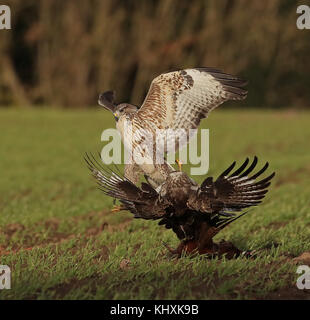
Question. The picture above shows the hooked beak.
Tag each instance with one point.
(115, 116)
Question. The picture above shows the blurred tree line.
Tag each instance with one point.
(64, 53)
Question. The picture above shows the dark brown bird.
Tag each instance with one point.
(196, 213)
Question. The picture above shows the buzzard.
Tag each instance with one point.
(176, 100)
(196, 213)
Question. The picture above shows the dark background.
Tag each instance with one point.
(64, 53)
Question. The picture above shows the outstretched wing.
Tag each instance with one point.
(107, 100)
(143, 202)
(233, 192)
(180, 99)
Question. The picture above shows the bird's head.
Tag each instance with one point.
(124, 108)
(107, 100)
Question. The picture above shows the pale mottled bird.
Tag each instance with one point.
(196, 213)
(175, 100)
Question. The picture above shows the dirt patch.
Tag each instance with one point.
(48, 232)
(120, 226)
(303, 258)
(10, 229)
(288, 293)
(287, 179)
(209, 287)
(136, 248)
(275, 225)
(103, 254)
(61, 290)
(293, 176)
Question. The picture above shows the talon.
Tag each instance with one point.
(117, 208)
(249, 254)
(179, 163)
(171, 250)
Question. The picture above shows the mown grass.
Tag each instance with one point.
(61, 242)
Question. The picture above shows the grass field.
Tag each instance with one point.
(61, 242)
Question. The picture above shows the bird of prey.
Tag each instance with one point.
(176, 100)
(196, 213)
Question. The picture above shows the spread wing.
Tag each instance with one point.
(180, 99)
(143, 202)
(233, 192)
(106, 100)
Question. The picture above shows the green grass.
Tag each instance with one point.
(61, 242)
